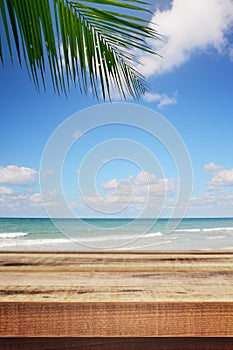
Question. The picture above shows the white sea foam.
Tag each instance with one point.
(33, 242)
(72, 239)
(209, 229)
(217, 229)
(145, 240)
(189, 230)
(117, 237)
(12, 234)
(153, 234)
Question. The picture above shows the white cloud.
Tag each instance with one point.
(6, 191)
(162, 99)
(165, 101)
(144, 191)
(146, 183)
(145, 178)
(212, 168)
(24, 201)
(112, 184)
(217, 199)
(35, 198)
(220, 177)
(143, 183)
(188, 27)
(15, 175)
(213, 201)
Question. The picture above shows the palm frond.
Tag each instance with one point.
(87, 43)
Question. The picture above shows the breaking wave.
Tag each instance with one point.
(12, 234)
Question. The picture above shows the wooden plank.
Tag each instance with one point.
(116, 319)
(116, 343)
(116, 294)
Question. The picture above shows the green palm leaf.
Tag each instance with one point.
(87, 43)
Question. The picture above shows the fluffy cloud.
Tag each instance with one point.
(188, 27)
(6, 191)
(149, 183)
(220, 177)
(143, 183)
(144, 192)
(212, 168)
(15, 175)
(112, 184)
(162, 99)
(217, 199)
(24, 201)
(209, 200)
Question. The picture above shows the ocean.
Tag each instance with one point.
(115, 234)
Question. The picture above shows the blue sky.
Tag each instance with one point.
(191, 87)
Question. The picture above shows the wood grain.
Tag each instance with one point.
(116, 343)
(116, 294)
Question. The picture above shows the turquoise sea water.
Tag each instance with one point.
(116, 234)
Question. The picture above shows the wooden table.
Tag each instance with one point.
(111, 300)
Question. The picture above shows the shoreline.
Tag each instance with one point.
(108, 234)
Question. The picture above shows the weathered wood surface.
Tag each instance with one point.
(116, 294)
